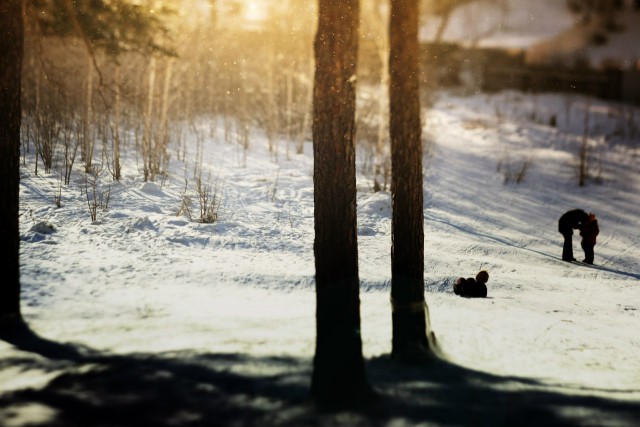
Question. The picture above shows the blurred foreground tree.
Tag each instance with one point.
(409, 310)
(339, 377)
(11, 46)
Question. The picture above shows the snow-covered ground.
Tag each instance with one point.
(144, 317)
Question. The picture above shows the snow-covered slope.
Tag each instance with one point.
(511, 23)
(546, 29)
(214, 323)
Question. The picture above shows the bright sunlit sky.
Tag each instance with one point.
(249, 11)
(255, 10)
(519, 23)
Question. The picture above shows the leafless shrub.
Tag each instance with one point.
(24, 138)
(513, 172)
(185, 206)
(242, 138)
(109, 135)
(44, 130)
(271, 193)
(522, 171)
(208, 200)
(146, 311)
(57, 197)
(97, 197)
(159, 133)
(185, 202)
(602, 146)
(372, 137)
(86, 139)
(626, 125)
(70, 144)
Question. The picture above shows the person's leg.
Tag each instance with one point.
(588, 252)
(567, 247)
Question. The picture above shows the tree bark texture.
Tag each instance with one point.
(11, 46)
(339, 373)
(407, 247)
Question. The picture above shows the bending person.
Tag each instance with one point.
(568, 222)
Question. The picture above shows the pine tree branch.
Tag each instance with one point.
(74, 19)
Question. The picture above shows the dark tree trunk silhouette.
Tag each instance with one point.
(410, 318)
(338, 368)
(11, 46)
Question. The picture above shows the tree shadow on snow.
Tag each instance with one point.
(614, 271)
(196, 389)
(165, 389)
(446, 394)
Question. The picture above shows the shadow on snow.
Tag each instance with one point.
(195, 389)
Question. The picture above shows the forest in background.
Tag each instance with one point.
(82, 107)
(241, 65)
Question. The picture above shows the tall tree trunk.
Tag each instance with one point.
(163, 140)
(12, 48)
(339, 376)
(410, 318)
(380, 173)
(87, 138)
(146, 138)
(289, 109)
(307, 109)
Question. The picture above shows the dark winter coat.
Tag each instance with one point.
(470, 288)
(590, 230)
(459, 286)
(572, 220)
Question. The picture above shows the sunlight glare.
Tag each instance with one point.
(255, 10)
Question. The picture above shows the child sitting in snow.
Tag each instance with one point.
(589, 230)
(472, 288)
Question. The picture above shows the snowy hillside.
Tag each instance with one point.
(511, 23)
(148, 318)
(546, 29)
